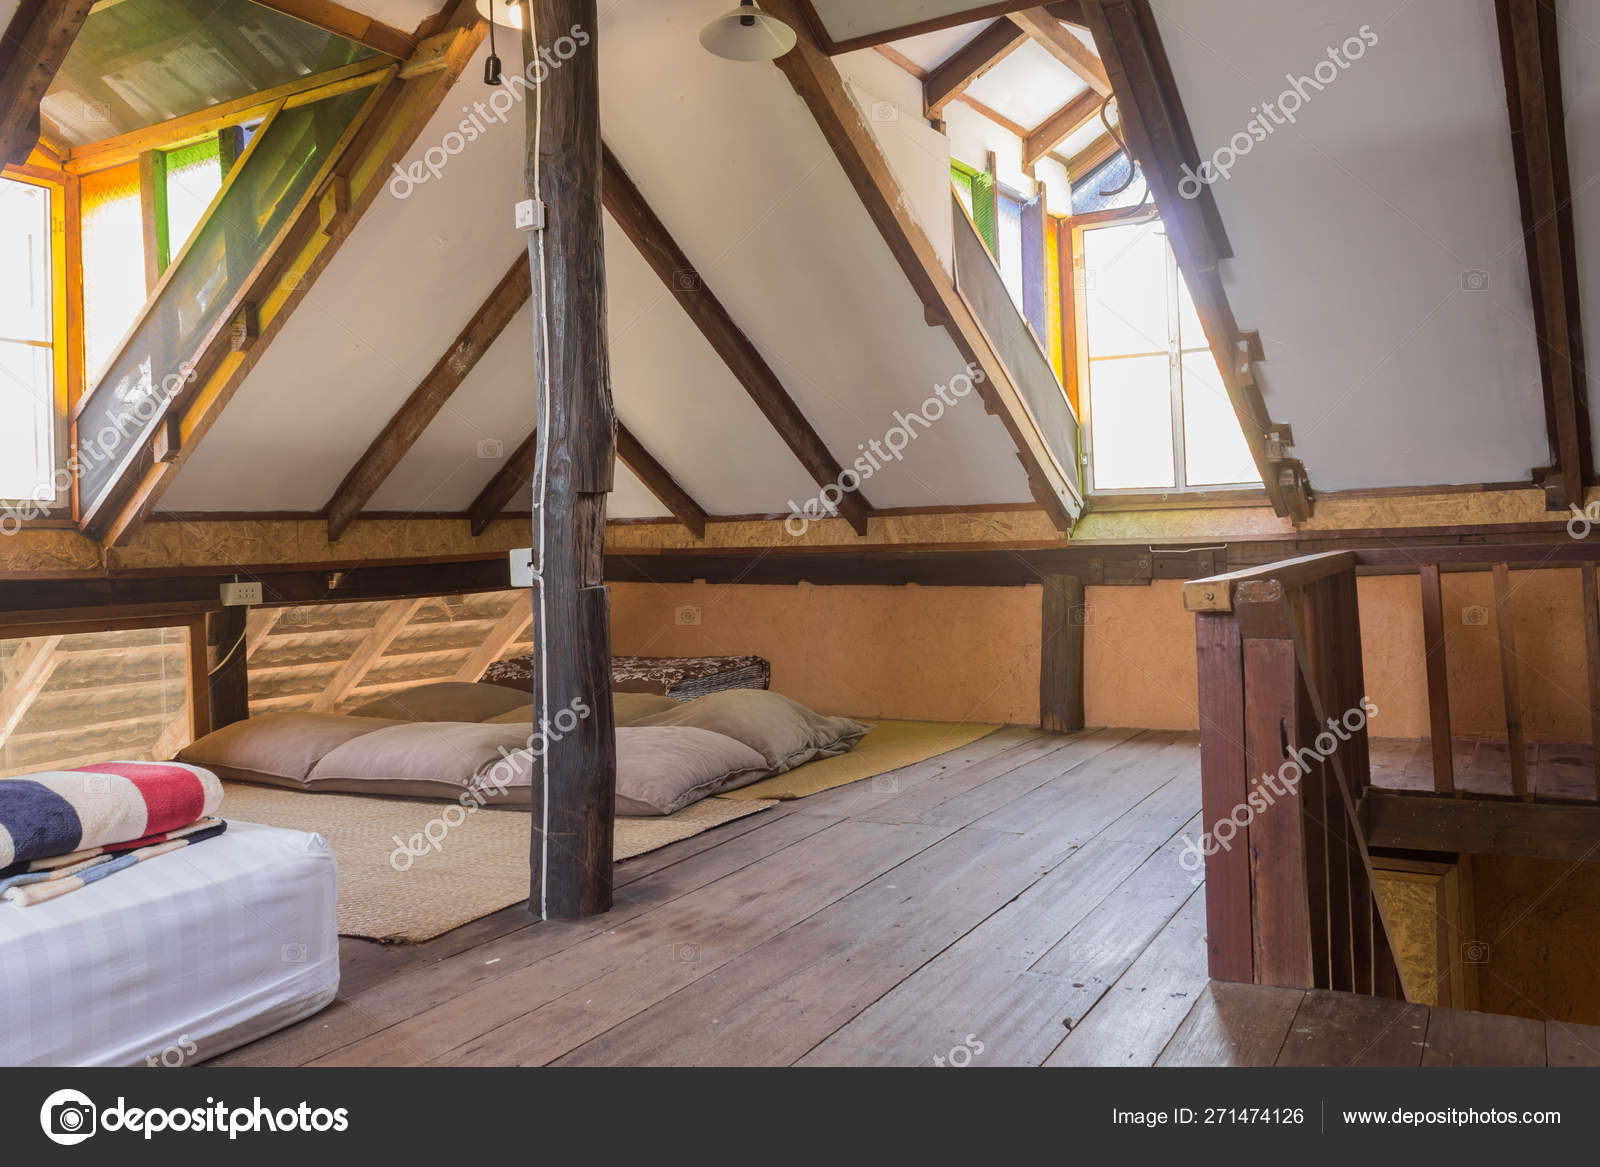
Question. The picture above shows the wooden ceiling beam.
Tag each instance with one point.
(1093, 156)
(818, 83)
(35, 44)
(650, 235)
(659, 482)
(513, 476)
(1047, 32)
(1065, 121)
(1532, 65)
(352, 25)
(390, 447)
(948, 80)
(1150, 115)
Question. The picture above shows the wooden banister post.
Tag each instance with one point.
(1438, 679)
(575, 762)
(1224, 781)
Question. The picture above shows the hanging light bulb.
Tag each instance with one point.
(502, 12)
(747, 34)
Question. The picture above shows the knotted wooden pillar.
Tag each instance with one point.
(573, 799)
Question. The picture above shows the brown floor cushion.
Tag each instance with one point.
(430, 759)
(627, 708)
(782, 731)
(278, 749)
(444, 701)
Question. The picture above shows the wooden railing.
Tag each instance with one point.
(1284, 765)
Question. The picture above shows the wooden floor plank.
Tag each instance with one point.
(1457, 1037)
(1569, 1044)
(541, 1011)
(1233, 1025)
(1342, 1029)
(1133, 1022)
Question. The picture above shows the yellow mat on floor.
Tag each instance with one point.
(480, 864)
(890, 745)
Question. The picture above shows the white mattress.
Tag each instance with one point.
(179, 959)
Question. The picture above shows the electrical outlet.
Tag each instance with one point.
(522, 567)
(236, 595)
(530, 215)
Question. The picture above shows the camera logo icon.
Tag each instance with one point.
(68, 1117)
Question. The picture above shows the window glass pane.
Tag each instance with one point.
(962, 181)
(1214, 448)
(1125, 289)
(98, 695)
(25, 260)
(1190, 334)
(27, 422)
(140, 62)
(1008, 241)
(1130, 417)
(194, 175)
(113, 262)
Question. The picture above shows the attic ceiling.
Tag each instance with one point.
(1376, 247)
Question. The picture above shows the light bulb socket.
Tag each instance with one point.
(491, 70)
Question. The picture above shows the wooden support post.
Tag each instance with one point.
(1505, 634)
(1061, 655)
(574, 780)
(199, 690)
(227, 672)
(1438, 679)
(1591, 630)
(1224, 784)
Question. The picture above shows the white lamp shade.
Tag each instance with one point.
(505, 13)
(764, 38)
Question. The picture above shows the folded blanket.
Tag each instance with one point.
(47, 879)
(60, 812)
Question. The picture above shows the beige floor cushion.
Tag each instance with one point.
(783, 732)
(430, 759)
(279, 749)
(444, 701)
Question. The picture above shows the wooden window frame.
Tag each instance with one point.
(65, 334)
(1075, 334)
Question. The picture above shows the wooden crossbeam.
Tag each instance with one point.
(30, 671)
(1065, 121)
(1532, 65)
(659, 482)
(390, 447)
(1047, 32)
(1093, 156)
(499, 638)
(950, 78)
(391, 622)
(650, 235)
(513, 476)
(36, 42)
(354, 26)
(817, 81)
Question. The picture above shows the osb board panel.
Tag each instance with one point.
(1411, 905)
(940, 654)
(960, 527)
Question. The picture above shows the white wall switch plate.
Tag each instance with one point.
(240, 594)
(522, 567)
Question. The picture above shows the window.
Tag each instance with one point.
(1159, 416)
(113, 262)
(30, 405)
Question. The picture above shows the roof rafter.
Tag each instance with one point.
(1047, 32)
(1065, 121)
(950, 78)
(514, 475)
(391, 445)
(660, 483)
(650, 235)
(818, 83)
(1532, 63)
(35, 44)
(1150, 115)
(1093, 156)
(345, 22)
